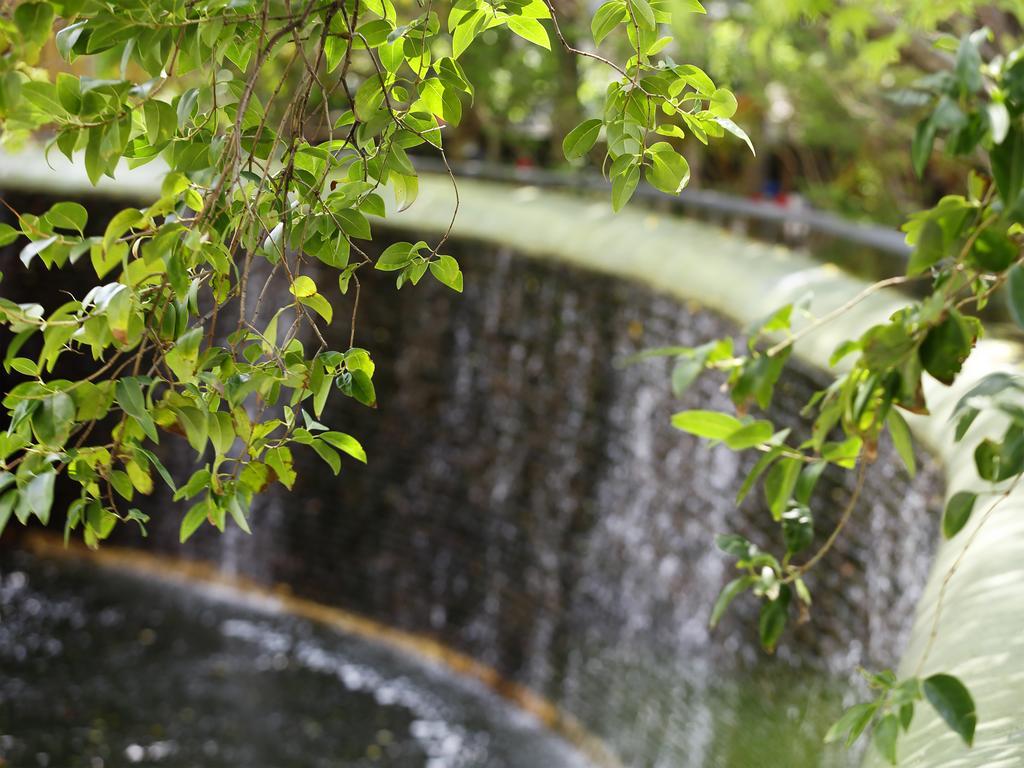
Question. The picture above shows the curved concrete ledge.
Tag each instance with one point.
(980, 636)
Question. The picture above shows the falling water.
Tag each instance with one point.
(528, 503)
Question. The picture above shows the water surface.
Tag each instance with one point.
(102, 669)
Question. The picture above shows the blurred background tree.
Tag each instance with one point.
(823, 89)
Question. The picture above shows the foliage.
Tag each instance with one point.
(966, 248)
(823, 91)
(281, 125)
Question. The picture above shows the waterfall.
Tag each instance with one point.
(528, 503)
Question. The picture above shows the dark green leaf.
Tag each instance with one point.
(1008, 165)
(946, 347)
(921, 149)
(730, 592)
(773, 619)
(1015, 293)
(954, 704)
(779, 485)
(958, 512)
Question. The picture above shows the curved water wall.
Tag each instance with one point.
(527, 504)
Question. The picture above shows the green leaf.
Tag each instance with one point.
(320, 305)
(329, 455)
(280, 460)
(193, 519)
(530, 30)
(886, 733)
(946, 347)
(160, 468)
(749, 435)
(713, 425)
(199, 481)
(607, 17)
(797, 528)
(958, 512)
(993, 251)
(623, 186)
(128, 394)
(221, 431)
(902, 440)
(853, 722)
(161, 122)
(446, 270)
(723, 103)
(684, 373)
(7, 502)
(643, 13)
(1015, 293)
(33, 21)
(122, 484)
(184, 356)
(345, 443)
(772, 623)
(1008, 166)
(34, 248)
(53, 419)
(67, 215)
(37, 496)
(730, 592)
(43, 96)
(581, 139)
(921, 149)
(968, 65)
(759, 469)
(396, 256)
(779, 485)
(238, 513)
(8, 234)
(735, 545)
(119, 225)
(953, 702)
(361, 388)
(929, 249)
(195, 424)
(68, 37)
(808, 479)
(668, 171)
(302, 287)
(736, 131)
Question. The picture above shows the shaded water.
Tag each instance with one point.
(529, 504)
(100, 668)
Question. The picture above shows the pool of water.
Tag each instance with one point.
(99, 669)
